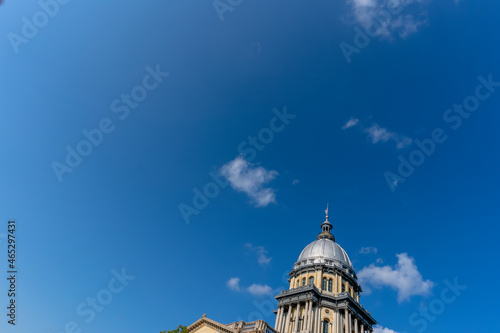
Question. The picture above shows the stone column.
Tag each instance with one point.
(349, 327)
(282, 328)
(321, 280)
(304, 317)
(355, 325)
(296, 324)
(362, 328)
(317, 320)
(341, 322)
(288, 317)
(292, 317)
(277, 322)
(347, 321)
(336, 318)
(280, 318)
(339, 283)
(307, 315)
(310, 317)
(282, 321)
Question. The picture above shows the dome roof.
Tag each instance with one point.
(323, 251)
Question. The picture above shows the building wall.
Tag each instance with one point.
(318, 276)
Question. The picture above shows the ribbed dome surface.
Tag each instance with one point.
(325, 249)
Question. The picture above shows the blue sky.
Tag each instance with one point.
(398, 134)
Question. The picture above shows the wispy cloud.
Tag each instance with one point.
(388, 18)
(377, 133)
(250, 179)
(261, 252)
(405, 278)
(380, 134)
(255, 289)
(352, 122)
(295, 182)
(233, 284)
(381, 329)
(368, 250)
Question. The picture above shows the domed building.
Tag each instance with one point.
(324, 292)
(323, 296)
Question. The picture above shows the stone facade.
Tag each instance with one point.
(206, 325)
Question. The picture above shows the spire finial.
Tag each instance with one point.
(326, 228)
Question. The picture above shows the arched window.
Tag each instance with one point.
(303, 281)
(324, 284)
(325, 326)
(311, 280)
(330, 285)
(296, 283)
(343, 286)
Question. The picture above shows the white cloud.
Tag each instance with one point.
(261, 252)
(247, 178)
(255, 289)
(260, 290)
(380, 261)
(377, 133)
(295, 182)
(380, 329)
(233, 284)
(380, 134)
(352, 122)
(405, 278)
(386, 18)
(368, 250)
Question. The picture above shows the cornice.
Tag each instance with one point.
(209, 322)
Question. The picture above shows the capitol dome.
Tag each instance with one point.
(323, 250)
(324, 291)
